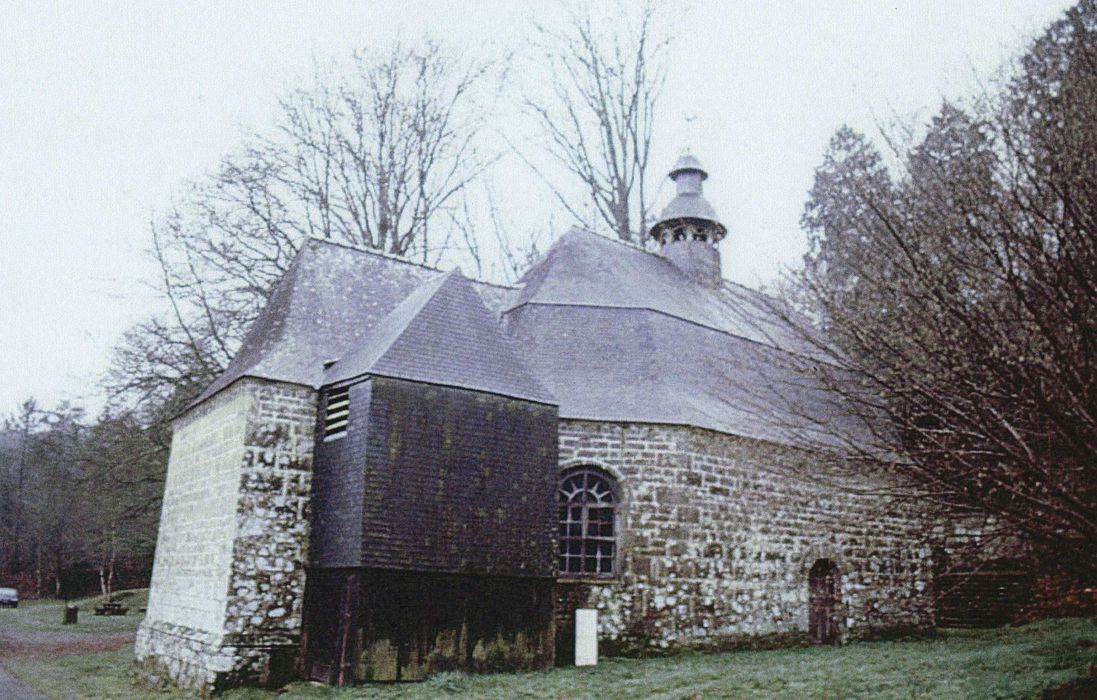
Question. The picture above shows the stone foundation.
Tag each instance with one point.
(228, 578)
(717, 535)
(204, 662)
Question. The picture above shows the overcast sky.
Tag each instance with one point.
(107, 108)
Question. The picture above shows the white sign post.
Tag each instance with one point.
(586, 637)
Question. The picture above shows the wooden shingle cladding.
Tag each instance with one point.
(337, 488)
(438, 479)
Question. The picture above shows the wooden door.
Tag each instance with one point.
(823, 602)
(331, 627)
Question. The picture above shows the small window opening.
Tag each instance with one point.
(699, 236)
(679, 234)
(337, 414)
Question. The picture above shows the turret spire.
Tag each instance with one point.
(688, 228)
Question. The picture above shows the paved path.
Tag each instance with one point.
(11, 688)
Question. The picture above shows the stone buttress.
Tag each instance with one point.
(228, 578)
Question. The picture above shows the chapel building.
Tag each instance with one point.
(405, 471)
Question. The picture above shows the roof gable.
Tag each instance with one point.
(325, 305)
(443, 333)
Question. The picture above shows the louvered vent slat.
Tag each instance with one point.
(337, 414)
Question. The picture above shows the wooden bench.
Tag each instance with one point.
(111, 608)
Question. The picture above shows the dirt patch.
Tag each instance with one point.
(1078, 689)
(44, 644)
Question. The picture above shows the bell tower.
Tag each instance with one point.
(688, 230)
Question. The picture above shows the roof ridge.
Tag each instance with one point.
(655, 254)
(640, 248)
(613, 239)
(576, 229)
(725, 282)
(386, 352)
(661, 312)
(393, 325)
(267, 319)
(371, 251)
(399, 258)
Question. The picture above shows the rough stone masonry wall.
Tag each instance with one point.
(718, 534)
(228, 578)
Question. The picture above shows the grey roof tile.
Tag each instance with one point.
(330, 298)
(585, 269)
(442, 333)
(606, 330)
(618, 333)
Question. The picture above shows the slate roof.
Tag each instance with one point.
(442, 333)
(606, 330)
(330, 298)
(585, 269)
(689, 205)
(620, 334)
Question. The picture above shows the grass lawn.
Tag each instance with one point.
(91, 659)
(1009, 663)
(1006, 663)
(46, 616)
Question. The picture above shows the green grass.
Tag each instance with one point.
(47, 615)
(1006, 663)
(101, 675)
(36, 628)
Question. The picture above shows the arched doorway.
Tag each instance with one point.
(823, 602)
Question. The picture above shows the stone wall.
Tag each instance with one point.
(718, 533)
(228, 577)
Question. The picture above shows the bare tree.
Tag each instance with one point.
(54, 507)
(123, 474)
(79, 495)
(598, 119)
(498, 247)
(959, 295)
(373, 153)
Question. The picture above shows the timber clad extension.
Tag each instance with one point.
(439, 514)
(434, 515)
(443, 479)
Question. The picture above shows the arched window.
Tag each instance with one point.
(588, 534)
